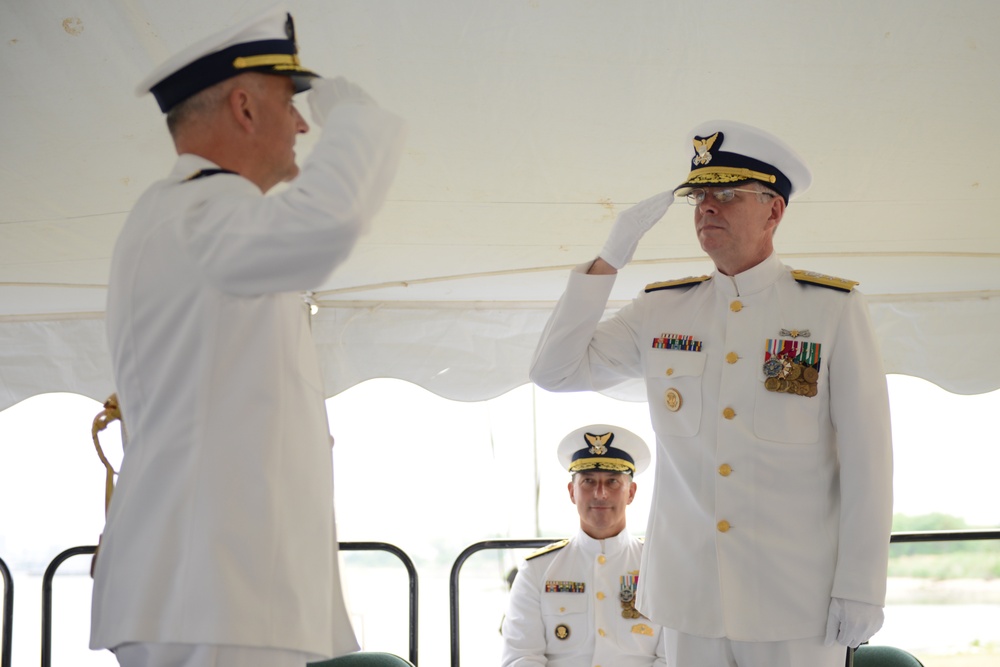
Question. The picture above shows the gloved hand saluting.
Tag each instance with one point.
(326, 94)
(851, 623)
(629, 227)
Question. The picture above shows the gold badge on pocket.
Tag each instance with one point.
(642, 629)
(672, 399)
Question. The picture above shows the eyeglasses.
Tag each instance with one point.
(722, 196)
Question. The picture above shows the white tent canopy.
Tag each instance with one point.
(532, 123)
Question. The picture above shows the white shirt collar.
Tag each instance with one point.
(752, 280)
(610, 546)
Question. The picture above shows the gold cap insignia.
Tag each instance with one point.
(598, 443)
(702, 148)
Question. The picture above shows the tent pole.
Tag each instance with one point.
(534, 453)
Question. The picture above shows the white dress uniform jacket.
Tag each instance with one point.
(221, 528)
(765, 504)
(591, 620)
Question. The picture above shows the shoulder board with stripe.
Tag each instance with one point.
(813, 278)
(549, 548)
(680, 282)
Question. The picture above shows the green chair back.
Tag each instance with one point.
(365, 659)
(884, 656)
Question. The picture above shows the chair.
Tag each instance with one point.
(867, 655)
(364, 659)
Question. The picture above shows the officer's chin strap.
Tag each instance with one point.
(104, 418)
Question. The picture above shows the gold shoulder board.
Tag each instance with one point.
(548, 548)
(813, 278)
(680, 282)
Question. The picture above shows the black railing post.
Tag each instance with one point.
(412, 574)
(7, 634)
(50, 573)
(457, 566)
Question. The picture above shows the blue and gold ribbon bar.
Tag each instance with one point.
(669, 341)
(564, 586)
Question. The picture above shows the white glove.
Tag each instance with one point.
(629, 227)
(325, 94)
(851, 623)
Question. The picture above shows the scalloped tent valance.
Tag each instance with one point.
(531, 125)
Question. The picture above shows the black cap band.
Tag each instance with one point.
(735, 169)
(270, 56)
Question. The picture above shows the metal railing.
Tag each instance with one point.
(927, 536)
(47, 580)
(50, 573)
(7, 633)
(946, 536)
(411, 572)
(457, 566)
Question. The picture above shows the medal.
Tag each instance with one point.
(791, 366)
(772, 367)
(626, 595)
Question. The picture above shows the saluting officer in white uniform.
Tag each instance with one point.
(572, 603)
(220, 548)
(768, 539)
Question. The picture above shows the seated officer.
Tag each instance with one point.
(573, 602)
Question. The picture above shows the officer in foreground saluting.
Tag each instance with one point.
(573, 602)
(220, 547)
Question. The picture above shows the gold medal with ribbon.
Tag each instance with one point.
(626, 595)
(792, 366)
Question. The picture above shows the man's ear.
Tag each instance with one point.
(631, 493)
(572, 492)
(241, 106)
(777, 211)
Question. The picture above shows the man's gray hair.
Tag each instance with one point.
(206, 101)
(764, 192)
